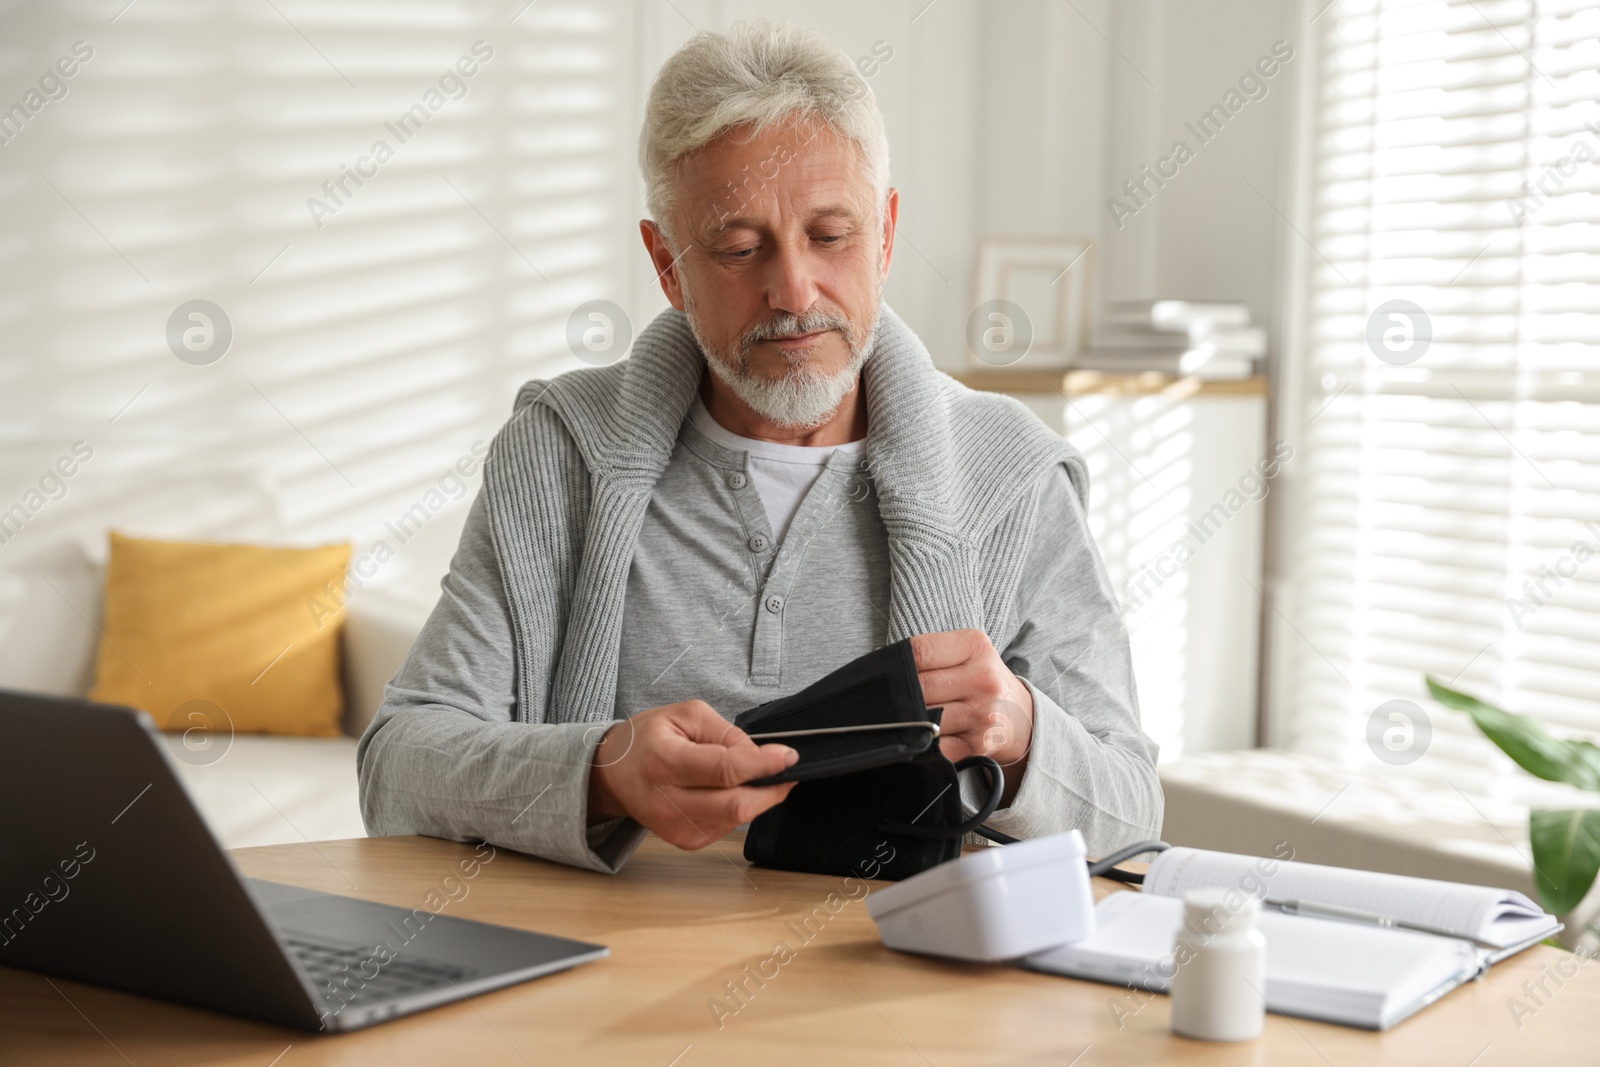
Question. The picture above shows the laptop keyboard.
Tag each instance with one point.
(340, 974)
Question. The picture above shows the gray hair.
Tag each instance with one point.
(758, 74)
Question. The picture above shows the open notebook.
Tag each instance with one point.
(1343, 972)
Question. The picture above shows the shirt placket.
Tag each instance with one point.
(821, 503)
(757, 527)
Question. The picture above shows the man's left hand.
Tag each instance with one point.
(988, 711)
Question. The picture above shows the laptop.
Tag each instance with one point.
(109, 875)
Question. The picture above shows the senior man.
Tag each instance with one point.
(776, 481)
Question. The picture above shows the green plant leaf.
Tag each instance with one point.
(1526, 741)
(1566, 855)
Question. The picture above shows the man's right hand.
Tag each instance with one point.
(676, 770)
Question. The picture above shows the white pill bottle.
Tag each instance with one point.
(1218, 988)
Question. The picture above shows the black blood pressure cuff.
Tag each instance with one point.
(872, 780)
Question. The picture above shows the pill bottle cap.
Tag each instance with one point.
(1215, 911)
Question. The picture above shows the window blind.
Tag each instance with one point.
(1444, 511)
(395, 207)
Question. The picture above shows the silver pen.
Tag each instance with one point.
(1334, 911)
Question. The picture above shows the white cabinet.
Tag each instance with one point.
(1179, 471)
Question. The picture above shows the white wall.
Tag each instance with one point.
(1207, 234)
(1213, 232)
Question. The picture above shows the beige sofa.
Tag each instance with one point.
(256, 789)
(253, 789)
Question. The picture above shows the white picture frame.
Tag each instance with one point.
(1048, 278)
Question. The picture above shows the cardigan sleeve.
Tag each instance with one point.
(445, 755)
(1090, 765)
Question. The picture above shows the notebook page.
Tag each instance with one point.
(1468, 910)
(1358, 976)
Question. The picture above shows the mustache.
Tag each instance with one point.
(791, 325)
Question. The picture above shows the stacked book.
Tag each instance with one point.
(1184, 337)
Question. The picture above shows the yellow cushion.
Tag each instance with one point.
(243, 627)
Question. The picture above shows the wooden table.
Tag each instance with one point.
(682, 926)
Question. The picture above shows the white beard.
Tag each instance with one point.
(801, 397)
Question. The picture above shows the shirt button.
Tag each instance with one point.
(774, 604)
(757, 543)
(736, 480)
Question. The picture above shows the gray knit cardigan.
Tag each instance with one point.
(949, 465)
